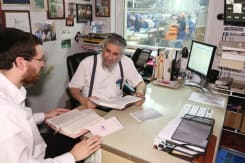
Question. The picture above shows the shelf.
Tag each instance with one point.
(236, 131)
(234, 92)
(233, 141)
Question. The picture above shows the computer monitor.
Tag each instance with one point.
(200, 62)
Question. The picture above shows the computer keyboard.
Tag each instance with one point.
(193, 109)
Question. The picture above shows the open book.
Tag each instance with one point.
(117, 103)
(74, 123)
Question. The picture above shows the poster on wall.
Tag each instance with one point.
(19, 19)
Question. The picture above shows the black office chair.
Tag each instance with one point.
(72, 63)
(140, 58)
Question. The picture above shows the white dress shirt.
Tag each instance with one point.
(106, 83)
(20, 140)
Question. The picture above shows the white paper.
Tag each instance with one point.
(106, 127)
(208, 99)
(146, 114)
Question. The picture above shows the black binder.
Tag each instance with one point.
(190, 139)
(194, 130)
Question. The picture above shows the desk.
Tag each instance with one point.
(134, 143)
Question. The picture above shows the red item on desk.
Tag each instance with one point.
(150, 63)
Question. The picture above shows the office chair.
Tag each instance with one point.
(140, 58)
(72, 63)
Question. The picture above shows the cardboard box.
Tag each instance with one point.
(242, 129)
(233, 119)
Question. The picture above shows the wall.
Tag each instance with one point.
(214, 27)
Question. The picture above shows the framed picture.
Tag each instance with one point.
(2, 24)
(18, 19)
(102, 8)
(84, 13)
(56, 9)
(13, 2)
(46, 31)
(39, 4)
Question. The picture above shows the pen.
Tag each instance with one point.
(184, 145)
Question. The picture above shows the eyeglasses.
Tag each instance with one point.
(43, 59)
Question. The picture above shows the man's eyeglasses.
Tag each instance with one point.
(43, 59)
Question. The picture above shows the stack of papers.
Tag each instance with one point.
(208, 99)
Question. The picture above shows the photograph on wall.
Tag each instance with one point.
(45, 31)
(84, 13)
(102, 8)
(56, 9)
(69, 21)
(19, 19)
(39, 4)
(71, 10)
(16, 2)
(66, 43)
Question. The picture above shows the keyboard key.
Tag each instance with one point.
(196, 110)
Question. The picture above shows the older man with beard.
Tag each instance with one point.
(108, 80)
(21, 60)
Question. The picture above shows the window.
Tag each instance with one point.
(165, 23)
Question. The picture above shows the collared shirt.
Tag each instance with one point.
(20, 140)
(106, 82)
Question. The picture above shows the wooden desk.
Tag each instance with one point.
(134, 143)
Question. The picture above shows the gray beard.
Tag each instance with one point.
(109, 68)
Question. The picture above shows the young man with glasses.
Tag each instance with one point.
(21, 60)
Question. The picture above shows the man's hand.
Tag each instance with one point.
(55, 112)
(89, 104)
(86, 147)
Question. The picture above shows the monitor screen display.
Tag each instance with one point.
(201, 58)
(234, 12)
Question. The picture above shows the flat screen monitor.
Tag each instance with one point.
(234, 12)
(201, 59)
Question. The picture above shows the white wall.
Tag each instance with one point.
(214, 26)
